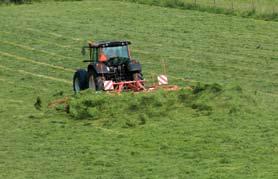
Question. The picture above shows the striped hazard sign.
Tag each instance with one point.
(162, 80)
(108, 85)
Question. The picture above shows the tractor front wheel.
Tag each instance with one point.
(80, 80)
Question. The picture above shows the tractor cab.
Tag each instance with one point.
(109, 61)
(103, 51)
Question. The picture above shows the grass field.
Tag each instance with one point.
(230, 134)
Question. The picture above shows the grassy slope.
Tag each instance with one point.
(205, 47)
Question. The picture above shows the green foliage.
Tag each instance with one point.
(18, 1)
(29, 1)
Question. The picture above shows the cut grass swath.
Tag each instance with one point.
(35, 62)
(37, 50)
(37, 75)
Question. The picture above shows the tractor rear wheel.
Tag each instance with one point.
(80, 80)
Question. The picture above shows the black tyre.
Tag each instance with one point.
(80, 80)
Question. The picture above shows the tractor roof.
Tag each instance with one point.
(108, 44)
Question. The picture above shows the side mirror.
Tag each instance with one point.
(83, 51)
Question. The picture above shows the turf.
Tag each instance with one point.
(229, 133)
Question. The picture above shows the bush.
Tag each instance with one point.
(28, 1)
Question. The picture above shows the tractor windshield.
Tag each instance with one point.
(120, 51)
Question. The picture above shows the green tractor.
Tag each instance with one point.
(108, 61)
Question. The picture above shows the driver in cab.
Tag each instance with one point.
(106, 53)
(102, 56)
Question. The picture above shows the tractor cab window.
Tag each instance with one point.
(120, 51)
(95, 54)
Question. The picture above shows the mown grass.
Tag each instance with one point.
(133, 109)
(208, 133)
(266, 10)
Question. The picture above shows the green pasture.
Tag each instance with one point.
(230, 132)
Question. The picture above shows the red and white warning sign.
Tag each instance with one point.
(162, 80)
(108, 85)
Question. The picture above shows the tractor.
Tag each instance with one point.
(109, 61)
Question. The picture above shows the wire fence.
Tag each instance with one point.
(258, 9)
(259, 6)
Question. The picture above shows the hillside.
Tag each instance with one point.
(225, 128)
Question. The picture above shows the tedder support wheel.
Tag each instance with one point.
(137, 76)
(80, 80)
(100, 80)
(92, 82)
(96, 83)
